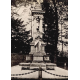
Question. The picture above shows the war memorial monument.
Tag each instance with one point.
(37, 58)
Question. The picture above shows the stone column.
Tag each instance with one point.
(40, 24)
(40, 29)
(34, 26)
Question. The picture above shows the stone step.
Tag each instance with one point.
(35, 61)
(44, 61)
(39, 53)
(37, 65)
(24, 64)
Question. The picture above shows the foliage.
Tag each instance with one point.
(51, 30)
(63, 29)
(56, 31)
(21, 2)
(19, 37)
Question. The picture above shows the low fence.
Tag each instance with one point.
(64, 77)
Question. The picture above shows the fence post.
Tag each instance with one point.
(40, 73)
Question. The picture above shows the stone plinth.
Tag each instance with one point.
(36, 49)
(37, 58)
(39, 53)
(29, 58)
(47, 59)
(37, 65)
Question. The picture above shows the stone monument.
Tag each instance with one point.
(37, 56)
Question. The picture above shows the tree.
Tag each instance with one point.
(19, 37)
(56, 15)
(51, 27)
(63, 28)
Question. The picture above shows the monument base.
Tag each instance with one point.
(37, 59)
(29, 66)
(37, 65)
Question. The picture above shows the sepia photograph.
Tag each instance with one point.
(39, 39)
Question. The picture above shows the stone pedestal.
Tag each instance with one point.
(29, 58)
(38, 59)
(37, 47)
(37, 65)
(47, 59)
